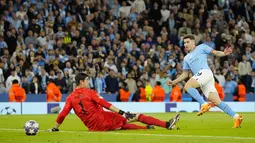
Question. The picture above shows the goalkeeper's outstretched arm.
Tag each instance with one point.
(62, 115)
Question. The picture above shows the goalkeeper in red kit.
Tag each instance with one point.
(88, 106)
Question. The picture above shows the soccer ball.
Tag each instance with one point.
(31, 128)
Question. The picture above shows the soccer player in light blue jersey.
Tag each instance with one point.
(196, 61)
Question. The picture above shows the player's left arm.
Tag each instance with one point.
(208, 50)
(226, 52)
(106, 104)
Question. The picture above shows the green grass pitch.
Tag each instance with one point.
(209, 128)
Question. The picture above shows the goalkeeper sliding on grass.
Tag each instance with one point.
(88, 106)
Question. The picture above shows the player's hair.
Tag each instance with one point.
(15, 81)
(189, 36)
(158, 83)
(79, 77)
(50, 81)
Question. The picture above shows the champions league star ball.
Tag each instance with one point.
(8, 111)
(31, 128)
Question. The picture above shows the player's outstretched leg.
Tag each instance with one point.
(238, 118)
(153, 121)
(213, 96)
(190, 87)
(136, 127)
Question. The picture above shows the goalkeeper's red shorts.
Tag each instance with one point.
(112, 121)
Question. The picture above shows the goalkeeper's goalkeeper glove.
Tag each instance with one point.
(53, 130)
(121, 112)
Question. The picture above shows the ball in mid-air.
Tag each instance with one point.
(31, 128)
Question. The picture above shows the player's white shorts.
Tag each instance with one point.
(206, 81)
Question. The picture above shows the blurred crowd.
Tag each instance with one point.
(116, 41)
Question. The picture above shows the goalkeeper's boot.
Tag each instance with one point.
(238, 121)
(204, 108)
(173, 121)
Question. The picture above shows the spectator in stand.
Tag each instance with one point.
(12, 77)
(112, 85)
(209, 42)
(100, 83)
(164, 78)
(43, 79)
(131, 83)
(2, 85)
(61, 83)
(141, 34)
(230, 86)
(244, 68)
(35, 87)
(220, 77)
(31, 38)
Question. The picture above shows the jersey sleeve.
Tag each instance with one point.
(95, 97)
(206, 49)
(67, 108)
(185, 65)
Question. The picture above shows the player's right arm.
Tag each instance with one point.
(182, 77)
(62, 115)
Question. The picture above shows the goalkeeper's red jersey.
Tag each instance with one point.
(87, 105)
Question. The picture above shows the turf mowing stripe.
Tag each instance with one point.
(154, 135)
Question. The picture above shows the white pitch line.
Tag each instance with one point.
(154, 135)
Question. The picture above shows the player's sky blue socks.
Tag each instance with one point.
(195, 94)
(224, 107)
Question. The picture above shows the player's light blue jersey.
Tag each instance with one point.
(196, 60)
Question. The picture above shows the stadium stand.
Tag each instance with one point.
(109, 39)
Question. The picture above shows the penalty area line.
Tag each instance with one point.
(146, 134)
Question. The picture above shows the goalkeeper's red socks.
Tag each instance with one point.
(151, 121)
(133, 127)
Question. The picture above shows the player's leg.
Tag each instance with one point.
(120, 122)
(114, 121)
(214, 98)
(136, 127)
(199, 80)
(190, 87)
(154, 121)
